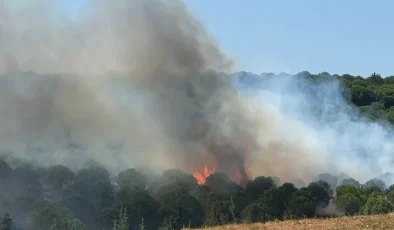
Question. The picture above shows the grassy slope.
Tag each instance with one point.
(343, 223)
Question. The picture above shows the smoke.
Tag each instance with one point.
(128, 83)
(315, 130)
(328, 210)
(141, 82)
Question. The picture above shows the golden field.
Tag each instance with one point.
(342, 223)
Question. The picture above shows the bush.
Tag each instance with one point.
(256, 212)
(349, 199)
(377, 205)
(301, 205)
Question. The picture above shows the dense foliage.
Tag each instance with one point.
(373, 96)
(58, 198)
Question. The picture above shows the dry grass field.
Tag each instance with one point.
(341, 223)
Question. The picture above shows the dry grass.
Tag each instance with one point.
(343, 223)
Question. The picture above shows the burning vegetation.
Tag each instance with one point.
(230, 164)
(201, 176)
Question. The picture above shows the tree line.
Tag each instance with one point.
(57, 198)
(373, 96)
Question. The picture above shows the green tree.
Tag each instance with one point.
(349, 199)
(55, 224)
(378, 204)
(122, 222)
(169, 219)
(275, 201)
(372, 191)
(210, 203)
(301, 204)
(257, 187)
(240, 200)
(390, 115)
(352, 182)
(74, 224)
(84, 211)
(221, 184)
(130, 179)
(361, 95)
(40, 217)
(179, 177)
(375, 79)
(5, 170)
(189, 210)
(170, 223)
(59, 175)
(375, 183)
(321, 192)
(140, 205)
(387, 101)
(287, 191)
(6, 222)
(92, 176)
(94, 187)
(256, 212)
(390, 196)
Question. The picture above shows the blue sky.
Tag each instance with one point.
(337, 36)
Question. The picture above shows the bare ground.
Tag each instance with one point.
(342, 223)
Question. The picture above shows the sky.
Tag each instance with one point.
(336, 36)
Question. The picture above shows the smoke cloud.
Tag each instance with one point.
(128, 83)
(315, 130)
(141, 82)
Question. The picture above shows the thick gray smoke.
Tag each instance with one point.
(129, 83)
(133, 83)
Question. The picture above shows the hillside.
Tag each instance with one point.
(343, 223)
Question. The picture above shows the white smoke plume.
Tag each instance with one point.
(316, 120)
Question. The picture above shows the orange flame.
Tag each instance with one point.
(201, 177)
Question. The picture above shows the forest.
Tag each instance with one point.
(37, 198)
(373, 96)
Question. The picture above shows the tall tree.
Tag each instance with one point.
(6, 222)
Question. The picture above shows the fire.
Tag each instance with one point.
(236, 172)
(201, 177)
